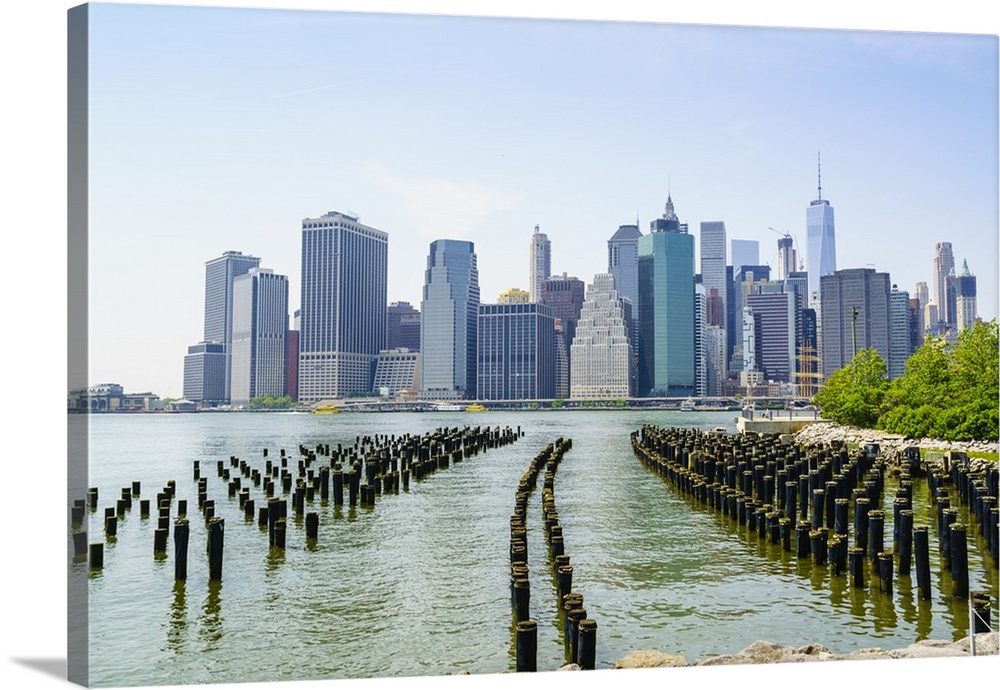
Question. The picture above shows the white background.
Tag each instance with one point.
(33, 530)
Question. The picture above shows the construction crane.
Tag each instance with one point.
(795, 246)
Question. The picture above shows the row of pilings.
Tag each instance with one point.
(813, 500)
(355, 476)
(579, 631)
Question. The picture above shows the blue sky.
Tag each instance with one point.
(222, 128)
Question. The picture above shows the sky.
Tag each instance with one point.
(215, 129)
(908, 142)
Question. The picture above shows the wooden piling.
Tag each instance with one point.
(181, 534)
(587, 643)
(216, 532)
(97, 555)
(527, 646)
(921, 554)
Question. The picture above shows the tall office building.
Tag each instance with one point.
(565, 295)
(745, 277)
(666, 308)
(449, 321)
(402, 326)
(396, 370)
(260, 332)
(343, 305)
(853, 290)
(601, 354)
(821, 241)
(744, 253)
(773, 307)
(965, 299)
(623, 261)
(900, 335)
(539, 263)
(516, 352)
(701, 372)
(206, 359)
(205, 374)
(713, 261)
(786, 258)
(944, 266)
(921, 294)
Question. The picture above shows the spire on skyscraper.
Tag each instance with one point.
(965, 269)
(668, 210)
(819, 178)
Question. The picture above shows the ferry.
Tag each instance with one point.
(475, 408)
(326, 409)
(448, 408)
(687, 405)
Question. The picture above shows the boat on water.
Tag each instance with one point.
(687, 405)
(448, 408)
(475, 408)
(326, 409)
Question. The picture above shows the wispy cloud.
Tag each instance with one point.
(439, 207)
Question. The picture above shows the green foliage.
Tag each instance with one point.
(268, 402)
(557, 403)
(854, 395)
(951, 393)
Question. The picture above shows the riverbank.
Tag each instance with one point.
(762, 652)
(825, 432)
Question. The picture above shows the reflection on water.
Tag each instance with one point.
(419, 583)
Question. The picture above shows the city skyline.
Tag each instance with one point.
(484, 152)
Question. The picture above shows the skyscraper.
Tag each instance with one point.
(773, 307)
(260, 330)
(601, 354)
(623, 261)
(207, 360)
(965, 299)
(666, 308)
(786, 258)
(847, 292)
(343, 305)
(540, 263)
(944, 266)
(516, 352)
(449, 321)
(402, 326)
(713, 261)
(900, 336)
(744, 253)
(821, 242)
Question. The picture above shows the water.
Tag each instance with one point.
(419, 585)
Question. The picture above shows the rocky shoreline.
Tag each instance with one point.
(762, 652)
(825, 432)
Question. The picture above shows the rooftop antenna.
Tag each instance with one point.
(819, 178)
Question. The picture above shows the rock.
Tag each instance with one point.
(762, 652)
(650, 659)
(570, 667)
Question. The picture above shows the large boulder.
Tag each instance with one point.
(650, 659)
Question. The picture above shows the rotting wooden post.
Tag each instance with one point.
(527, 646)
(216, 532)
(181, 534)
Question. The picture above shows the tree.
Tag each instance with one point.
(949, 393)
(855, 394)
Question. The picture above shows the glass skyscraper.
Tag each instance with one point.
(449, 316)
(260, 331)
(344, 284)
(666, 308)
(516, 352)
(820, 242)
(208, 365)
(539, 263)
